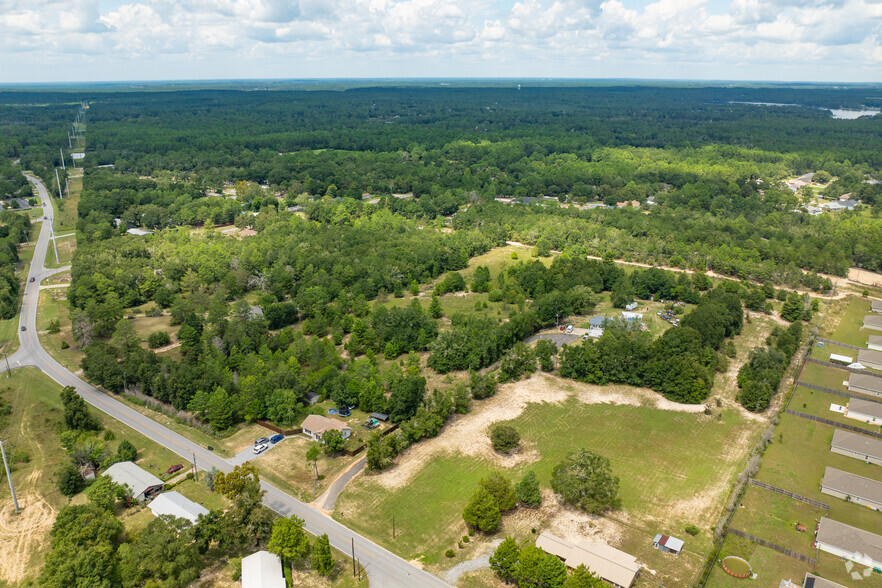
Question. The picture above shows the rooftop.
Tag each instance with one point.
(262, 570)
(866, 381)
(852, 485)
(177, 505)
(607, 562)
(869, 356)
(849, 538)
(136, 478)
(857, 443)
(866, 407)
(873, 319)
(813, 581)
(319, 424)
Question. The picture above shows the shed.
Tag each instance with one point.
(813, 581)
(312, 397)
(865, 384)
(875, 342)
(139, 232)
(632, 316)
(864, 410)
(315, 425)
(876, 306)
(610, 564)
(843, 359)
(142, 483)
(852, 488)
(262, 570)
(857, 446)
(873, 321)
(380, 416)
(871, 359)
(631, 306)
(849, 543)
(177, 505)
(668, 544)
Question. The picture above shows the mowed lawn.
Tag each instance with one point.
(66, 247)
(849, 328)
(796, 462)
(664, 460)
(773, 517)
(770, 566)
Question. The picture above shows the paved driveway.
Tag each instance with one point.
(247, 454)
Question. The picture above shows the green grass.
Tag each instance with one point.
(797, 464)
(66, 247)
(833, 568)
(823, 353)
(26, 250)
(818, 403)
(821, 375)
(849, 328)
(773, 517)
(53, 306)
(428, 509)
(66, 210)
(9, 336)
(770, 566)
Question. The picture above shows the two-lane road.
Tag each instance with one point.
(383, 567)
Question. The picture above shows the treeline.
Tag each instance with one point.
(759, 377)
(14, 229)
(680, 364)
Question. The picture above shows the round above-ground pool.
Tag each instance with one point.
(736, 566)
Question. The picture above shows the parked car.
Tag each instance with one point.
(24, 328)
(562, 328)
(276, 438)
(31, 280)
(258, 449)
(261, 441)
(586, 337)
(175, 468)
(569, 328)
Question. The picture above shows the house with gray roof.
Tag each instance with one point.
(849, 543)
(142, 483)
(875, 342)
(262, 569)
(864, 410)
(865, 383)
(177, 505)
(876, 306)
(870, 358)
(813, 581)
(858, 446)
(873, 321)
(852, 488)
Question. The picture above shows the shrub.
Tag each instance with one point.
(482, 511)
(109, 436)
(65, 345)
(465, 539)
(158, 339)
(504, 438)
(692, 530)
(527, 491)
(495, 295)
(450, 553)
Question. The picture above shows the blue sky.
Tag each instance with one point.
(777, 40)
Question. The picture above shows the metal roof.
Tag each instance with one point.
(607, 562)
(136, 478)
(671, 543)
(262, 570)
(177, 505)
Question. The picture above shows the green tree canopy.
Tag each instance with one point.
(585, 479)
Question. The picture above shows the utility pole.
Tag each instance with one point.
(61, 151)
(67, 182)
(58, 183)
(195, 471)
(9, 477)
(8, 370)
(69, 143)
(55, 246)
(353, 544)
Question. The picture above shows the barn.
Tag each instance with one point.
(142, 483)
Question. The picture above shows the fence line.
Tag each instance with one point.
(846, 345)
(778, 548)
(812, 417)
(839, 366)
(839, 392)
(788, 493)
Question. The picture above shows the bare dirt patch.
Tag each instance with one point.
(22, 534)
(467, 434)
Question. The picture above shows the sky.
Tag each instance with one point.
(119, 40)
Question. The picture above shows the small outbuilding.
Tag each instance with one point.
(843, 359)
(316, 425)
(632, 306)
(380, 416)
(139, 232)
(142, 483)
(312, 397)
(871, 359)
(177, 505)
(858, 446)
(852, 488)
(873, 321)
(668, 544)
(865, 384)
(262, 570)
(632, 316)
(849, 543)
(864, 410)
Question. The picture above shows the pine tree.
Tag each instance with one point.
(551, 572)
(500, 488)
(791, 310)
(527, 490)
(482, 511)
(582, 577)
(504, 560)
(435, 310)
(322, 559)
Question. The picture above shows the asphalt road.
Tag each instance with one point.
(383, 568)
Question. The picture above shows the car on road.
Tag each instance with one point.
(262, 441)
(258, 449)
(24, 328)
(276, 438)
(31, 280)
(45, 218)
(175, 468)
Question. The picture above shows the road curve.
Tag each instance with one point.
(384, 569)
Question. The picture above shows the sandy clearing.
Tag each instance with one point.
(467, 434)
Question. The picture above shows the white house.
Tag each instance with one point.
(849, 543)
(315, 425)
(857, 446)
(864, 410)
(262, 570)
(142, 483)
(614, 566)
(852, 488)
(177, 505)
(865, 384)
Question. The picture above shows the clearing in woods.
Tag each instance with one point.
(684, 484)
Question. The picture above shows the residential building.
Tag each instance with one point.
(876, 306)
(177, 505)
(864, 410)
(875, 342)
(865, 384)
(632, 316)
(262, 570)
(142, 483)
(668, 544)
(858, 446)
(873, 321)
(610, 564)
(139, 232)
(852, 488)
(315, 426)
(813, 581)
(849, 543)
(869, 358)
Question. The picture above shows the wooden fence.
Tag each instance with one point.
(777, 548)
(276, 429)
(851, 428)
(838, 392)
(839, 366)
(846, 345)
(759, 484)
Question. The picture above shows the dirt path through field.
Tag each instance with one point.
(466, 434)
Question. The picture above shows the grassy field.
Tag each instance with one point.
(26, 250)
(823, 353)
(848, 329)
(773, 517)
(66, 247)
(821, 375)
(66, 210)
(770, 566)
(53, 306)
(9, 336)
(834, 569)
(797, 460)
(818, 403)
(664, 497)
(286, 467)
